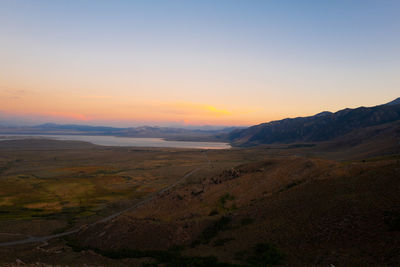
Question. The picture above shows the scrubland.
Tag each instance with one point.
(277, 205)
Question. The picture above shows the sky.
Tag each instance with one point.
(187, 63)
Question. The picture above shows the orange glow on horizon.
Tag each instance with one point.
(103, 109)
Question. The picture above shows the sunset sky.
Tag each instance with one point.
(179, 63)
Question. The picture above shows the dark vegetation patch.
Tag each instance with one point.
(222, 224)
(223, 199)
(6, 166)
(246, 221)
(70, 224)
(226, 175)
(383, 157)
(262, 254)
(392, 220)
(171, 257)
(222, 241)
(66, 212)
(213, 212)
(238, 171)
(108, 171)
(255, 167)
(126, 177)
(299, 146)
(290, 185)
(49, 216)
(23, 213)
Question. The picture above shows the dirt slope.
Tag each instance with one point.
(315, 212)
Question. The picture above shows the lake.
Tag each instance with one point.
(122, 141)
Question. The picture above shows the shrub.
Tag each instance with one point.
(392, 220)
(170, 257)
(246, 221)
(212, 230)
(222, 241)
(265, 254)
(226, 197)
(213, 212)
(262, 254)
(221, 225)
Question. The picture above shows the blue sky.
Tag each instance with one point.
(195, 62)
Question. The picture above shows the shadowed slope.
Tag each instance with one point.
(316, 212)
(321, 127)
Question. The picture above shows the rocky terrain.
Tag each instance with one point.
(325, 126)
(303, 212)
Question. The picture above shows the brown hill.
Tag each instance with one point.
(287, 210)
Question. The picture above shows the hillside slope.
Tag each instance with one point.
(297, 211)
(324, 126)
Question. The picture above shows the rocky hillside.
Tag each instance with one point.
(324, 126)
(394, 102)
(291, 211)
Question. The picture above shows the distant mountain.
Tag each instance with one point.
(168, 133)
(76, 127)
(324, 126)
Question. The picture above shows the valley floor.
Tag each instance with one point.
(281, 205)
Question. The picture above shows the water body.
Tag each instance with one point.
(123, 141)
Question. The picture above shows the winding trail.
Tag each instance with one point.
(36, 239)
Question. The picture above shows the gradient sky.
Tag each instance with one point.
(189, 62)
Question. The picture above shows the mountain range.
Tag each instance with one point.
(324, 126)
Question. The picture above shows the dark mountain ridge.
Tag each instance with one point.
(394, 102)
(323, 126)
